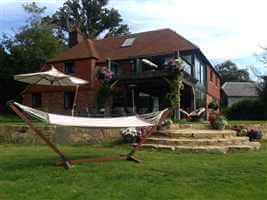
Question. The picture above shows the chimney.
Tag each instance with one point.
(75, 36)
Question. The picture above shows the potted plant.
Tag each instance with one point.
(219, 122)
(129, 135)
(166, 124)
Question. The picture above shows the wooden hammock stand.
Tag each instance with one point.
(146, 132)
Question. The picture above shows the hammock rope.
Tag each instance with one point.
(145, 120)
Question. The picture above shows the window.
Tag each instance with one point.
(211, 76)
(216, 81)
(36, 99)
(198, 70)
(68, 100)
(128, 42)
(69, 67)
(188, 59)
(186, 67)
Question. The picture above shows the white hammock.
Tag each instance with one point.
(145, 120)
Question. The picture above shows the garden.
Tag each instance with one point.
(27, 172)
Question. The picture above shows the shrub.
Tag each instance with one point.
(246, 109)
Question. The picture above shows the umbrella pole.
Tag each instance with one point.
(75, 99)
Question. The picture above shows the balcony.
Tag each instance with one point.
(163, 72)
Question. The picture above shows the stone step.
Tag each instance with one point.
(194, 133)
(215, 149)
(197, 142)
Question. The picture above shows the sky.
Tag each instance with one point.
(228, 29)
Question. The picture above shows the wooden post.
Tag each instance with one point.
(74, 101)
(143, 138)
(39, 133)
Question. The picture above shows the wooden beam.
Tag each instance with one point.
(73, 162)
(40, 134)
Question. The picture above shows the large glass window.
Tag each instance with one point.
(197, 69)
(187, 67)
(188, 59)
(200, 72)
(200, 98)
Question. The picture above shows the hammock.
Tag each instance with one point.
(147, 122)
(150, 119)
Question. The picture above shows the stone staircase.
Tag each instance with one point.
(199, 140)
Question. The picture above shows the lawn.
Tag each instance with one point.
(27, 173)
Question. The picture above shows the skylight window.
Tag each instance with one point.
(128, 42)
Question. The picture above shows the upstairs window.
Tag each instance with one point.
(128, 42)
(68, 100)
(69, 67)
(36, 99)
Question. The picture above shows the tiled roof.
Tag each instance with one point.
(240, 89)
(146, 43)
(85, 49)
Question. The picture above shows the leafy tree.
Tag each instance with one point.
(230, 73)
(92, 17)
(32, 45)
(26, 51)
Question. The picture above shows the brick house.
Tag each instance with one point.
(142, 85)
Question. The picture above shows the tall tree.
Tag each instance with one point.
(231, 73)
(33, 43)
(262, 80)
(92, 16)
(26, 51)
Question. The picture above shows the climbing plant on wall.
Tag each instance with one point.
(175, 87)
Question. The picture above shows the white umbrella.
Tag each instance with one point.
(52, 77)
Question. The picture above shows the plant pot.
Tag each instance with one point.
(129, 139)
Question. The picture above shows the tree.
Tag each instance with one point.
(92, 17)
(262, 80)
(229, 72)
(30, 47)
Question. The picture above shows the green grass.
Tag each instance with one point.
(8, 118)
(27, 173)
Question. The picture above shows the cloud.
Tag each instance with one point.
(12, 15)
(222, 29)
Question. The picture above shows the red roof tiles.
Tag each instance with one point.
(147, 43)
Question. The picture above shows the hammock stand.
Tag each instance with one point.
(146, 132)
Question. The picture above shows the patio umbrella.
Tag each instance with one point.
(52, 77)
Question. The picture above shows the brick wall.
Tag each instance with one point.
(53, 97)
(214, 85)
